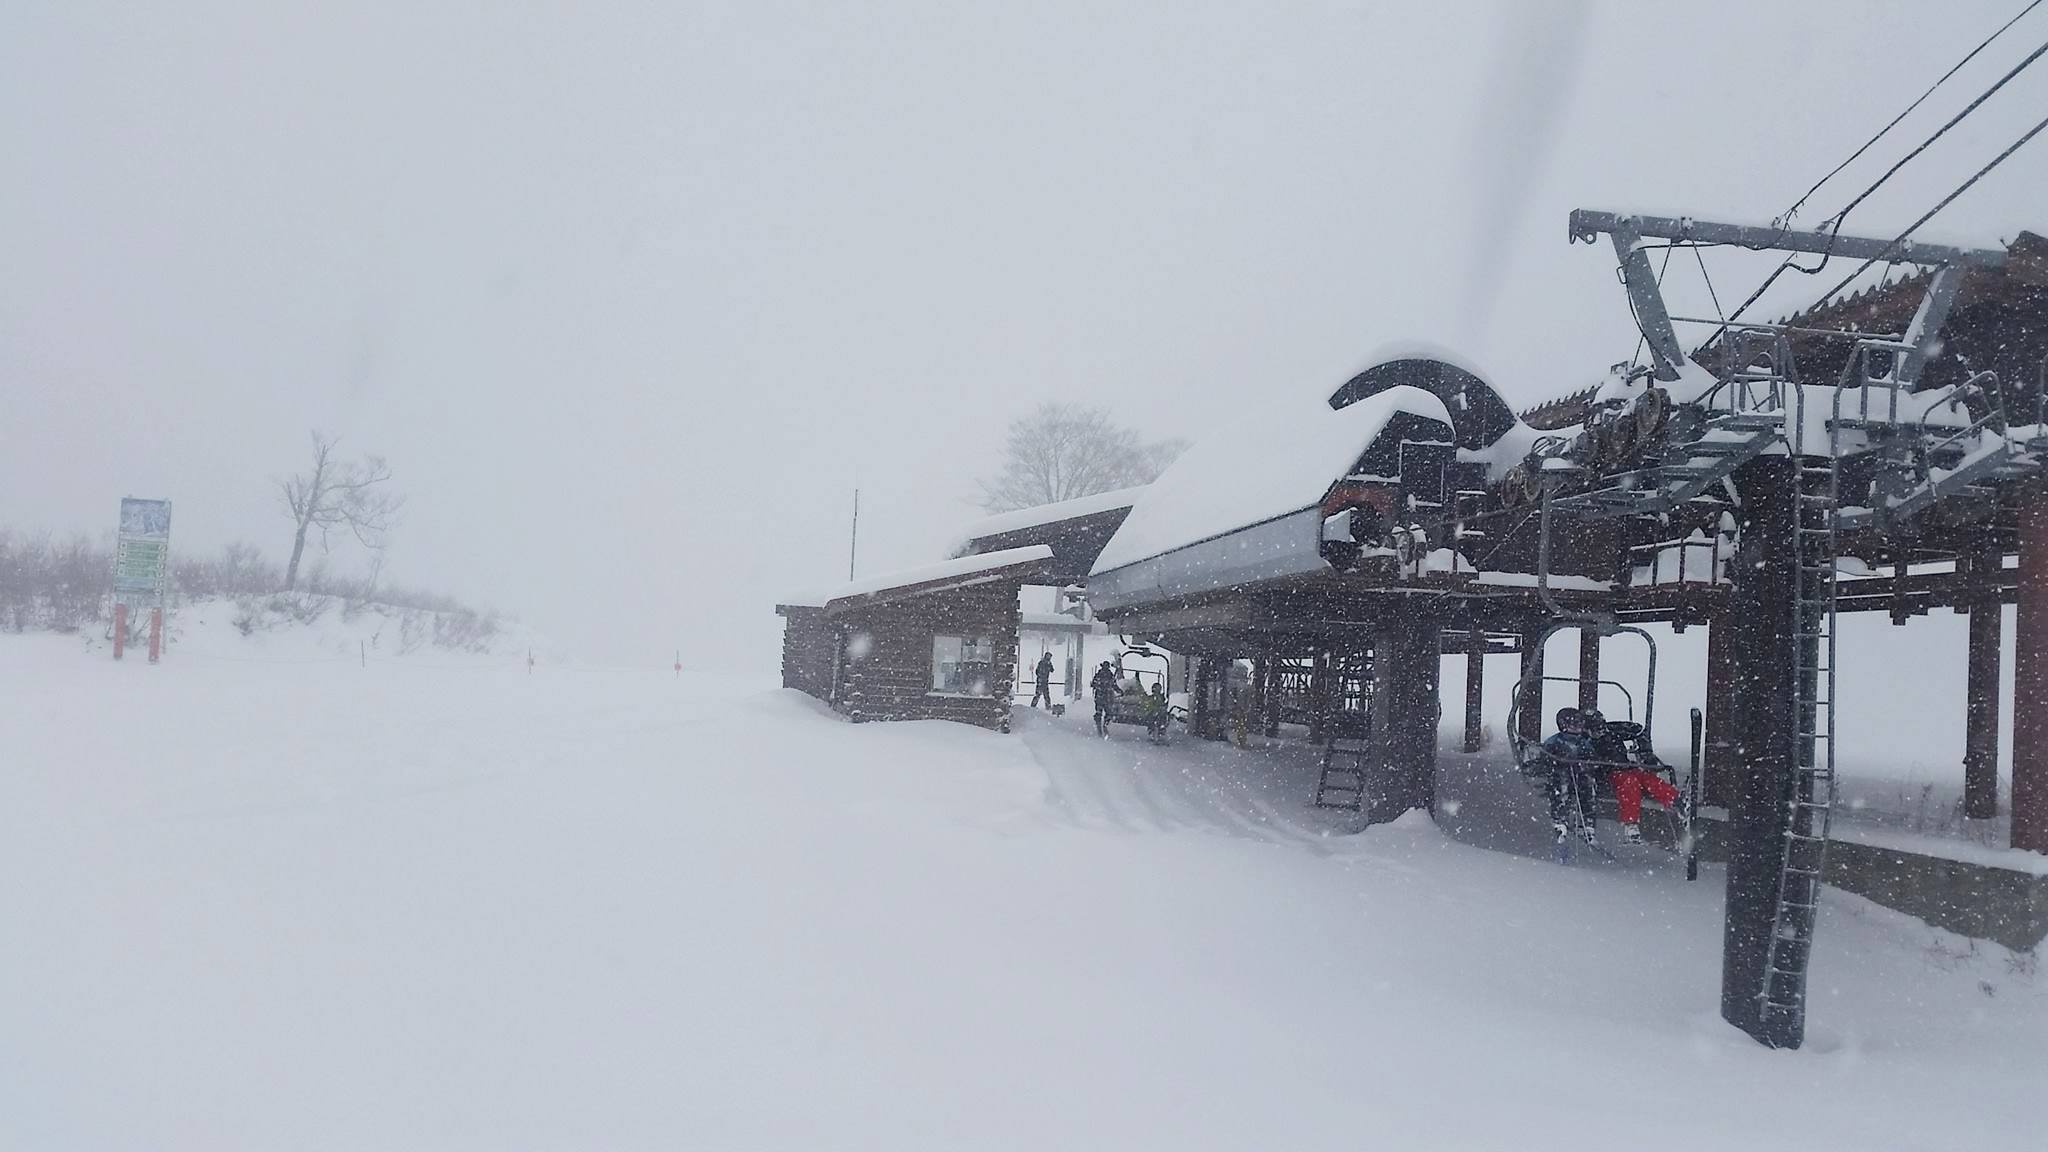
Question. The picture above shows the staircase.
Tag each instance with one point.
(1346, 762)
(1726, 441)
(1744, 416)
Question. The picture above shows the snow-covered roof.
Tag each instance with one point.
(1022, 518)
(1275, 457)
(1479, 415)
(961, 568)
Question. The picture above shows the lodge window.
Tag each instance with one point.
(963, 665)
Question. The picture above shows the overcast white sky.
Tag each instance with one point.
(629, 294)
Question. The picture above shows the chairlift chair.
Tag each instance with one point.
(1632, 736)
(1144, 707)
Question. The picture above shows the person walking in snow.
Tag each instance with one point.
(1630, 782)
(1103, 685)
(1561, 756)
(1043, 689)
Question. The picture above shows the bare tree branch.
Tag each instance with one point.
(1061, 452)
(338, 494)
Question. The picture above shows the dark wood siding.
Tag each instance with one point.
(808, 640)
(892, 679)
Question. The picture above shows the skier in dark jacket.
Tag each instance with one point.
(1630, 782)
(1561, 756)
(1043, 688)
(1103, 685)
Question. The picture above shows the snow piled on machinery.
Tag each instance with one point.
(1226, 512)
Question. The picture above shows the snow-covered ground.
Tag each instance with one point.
(442, 903)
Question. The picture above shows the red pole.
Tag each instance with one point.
(156, 634)
(2030, 681)
(120, 628)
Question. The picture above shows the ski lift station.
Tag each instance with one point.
(1316, 561)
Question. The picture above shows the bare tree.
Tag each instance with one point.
(338, 493)
(1062, 451)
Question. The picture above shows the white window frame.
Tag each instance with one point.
(962, 646)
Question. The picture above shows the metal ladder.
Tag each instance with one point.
(1810, 797)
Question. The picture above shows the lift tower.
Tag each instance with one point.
(1780, 441)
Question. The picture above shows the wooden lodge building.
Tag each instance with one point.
(931, 643)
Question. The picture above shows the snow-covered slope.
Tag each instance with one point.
(443, 903)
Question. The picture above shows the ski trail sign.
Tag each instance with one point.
(142, 553)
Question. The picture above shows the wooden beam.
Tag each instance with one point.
(1589, 668)
(1475, 682)
(1980, 712)
(2030, 681)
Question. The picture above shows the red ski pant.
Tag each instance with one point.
(1629, 786)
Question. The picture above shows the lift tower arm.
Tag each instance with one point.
(1628, 233)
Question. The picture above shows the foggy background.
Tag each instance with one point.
(631, 295)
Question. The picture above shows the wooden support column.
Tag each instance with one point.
(1722, 737)
(1475, 689)
(1262, 667)
(1319, 697)
(1407, 659)
(1200, 717)
(1589, 668)
(1529, 719)
(1223, 717)
(1762, 606)
(1980, 716)
(2030, 680)
(1270, 704)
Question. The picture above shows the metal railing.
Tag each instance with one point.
(1715, 564)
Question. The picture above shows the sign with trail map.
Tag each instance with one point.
(142, 549)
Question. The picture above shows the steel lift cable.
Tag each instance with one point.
(1793, 211)
(1902, 237)
(1837, 219)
